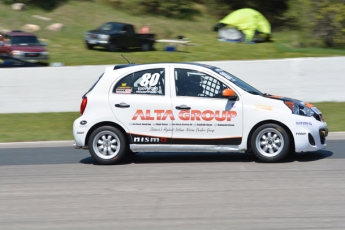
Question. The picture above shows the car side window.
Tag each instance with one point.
(151, 81)
(193, 83)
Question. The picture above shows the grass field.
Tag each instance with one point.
(67, 46)
(58, 126)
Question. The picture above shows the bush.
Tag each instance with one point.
(180, 9)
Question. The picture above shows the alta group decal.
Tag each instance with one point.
(185, 115)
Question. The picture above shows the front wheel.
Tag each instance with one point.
(107, 145)
(270, 143)
(111, 47)
(89, 46)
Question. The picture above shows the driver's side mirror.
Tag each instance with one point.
(230, 94)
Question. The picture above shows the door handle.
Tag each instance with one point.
(122, 105)
(182, 107)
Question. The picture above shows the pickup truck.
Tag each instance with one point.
(114, 35)
(24, 46)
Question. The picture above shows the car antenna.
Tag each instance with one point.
(127, 60)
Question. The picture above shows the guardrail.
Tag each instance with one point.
(59, 89)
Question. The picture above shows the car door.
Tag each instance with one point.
(140, 101)
(203, 116)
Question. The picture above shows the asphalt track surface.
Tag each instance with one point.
(53, 186)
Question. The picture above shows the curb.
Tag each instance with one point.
(69, 143)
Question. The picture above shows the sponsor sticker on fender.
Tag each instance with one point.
(263, 107)
(303, 123)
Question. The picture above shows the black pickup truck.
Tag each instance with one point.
(114, 35)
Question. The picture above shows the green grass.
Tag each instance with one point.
(334, 115)
(58, 126)
(67, 46)
(36, 126)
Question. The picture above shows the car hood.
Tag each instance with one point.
(284, 99)
(29, 48)
(101, 32)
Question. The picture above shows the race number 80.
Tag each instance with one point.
(150, 80)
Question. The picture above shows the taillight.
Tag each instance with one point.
(83, 105)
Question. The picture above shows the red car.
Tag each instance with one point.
(24, 46)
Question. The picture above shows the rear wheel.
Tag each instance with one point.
(107, 145)
(270, 143)
(145, 46)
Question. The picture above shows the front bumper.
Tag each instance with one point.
(32, 57)
(311, 138)
(96, 42)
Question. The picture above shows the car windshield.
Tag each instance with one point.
(110, 27)
(243, 85)
(24, 40)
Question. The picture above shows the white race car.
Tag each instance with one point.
(191, 107)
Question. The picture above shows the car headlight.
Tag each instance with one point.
(16, 53)
(304, 109)
(103, 36)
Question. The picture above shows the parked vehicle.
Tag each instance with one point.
(24, 46)
(191, 107)
(11, 62)
(114, 35)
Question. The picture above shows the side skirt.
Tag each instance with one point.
(184, 148)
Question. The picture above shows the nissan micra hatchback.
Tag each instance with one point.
(191, 107)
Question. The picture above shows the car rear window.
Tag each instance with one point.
(151, 81)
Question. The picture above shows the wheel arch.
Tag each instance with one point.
(104, 123)
(292, 140)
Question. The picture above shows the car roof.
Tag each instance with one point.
(19, 33)
(118, 23)
(120, 66)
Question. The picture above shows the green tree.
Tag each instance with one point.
(319, 22)
(181, 9)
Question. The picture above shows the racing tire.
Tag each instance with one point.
(270, 143)
(107, 145)
(111, 47)
(89, 46)
(146, 46)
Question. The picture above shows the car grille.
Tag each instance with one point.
(31, 54)
(94, 36)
